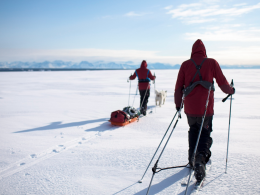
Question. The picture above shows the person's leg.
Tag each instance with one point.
(203, 150)
(144, 95)
(205, 141)
(147, 95)
(142, 92)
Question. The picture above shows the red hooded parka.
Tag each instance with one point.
(142, 74)
(194, 103)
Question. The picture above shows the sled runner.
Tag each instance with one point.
(124, 123)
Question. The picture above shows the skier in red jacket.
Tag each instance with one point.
(144, 75)
(199, 68)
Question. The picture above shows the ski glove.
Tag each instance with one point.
(178, 108)
(234, 90)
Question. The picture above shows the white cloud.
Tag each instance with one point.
(77, 55)
(133, 14)
(237, 55)
(204, 12)
(240, 4)
(199, 20)
(250, 35)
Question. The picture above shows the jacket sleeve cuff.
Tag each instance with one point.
(178, 97)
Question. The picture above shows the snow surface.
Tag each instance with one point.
(56, 138)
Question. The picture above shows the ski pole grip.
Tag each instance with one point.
(232, 84)
(226, 98)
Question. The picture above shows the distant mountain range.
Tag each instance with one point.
(58, 64)
(99, 65)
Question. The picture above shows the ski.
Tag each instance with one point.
(184, 181)
(199, 184)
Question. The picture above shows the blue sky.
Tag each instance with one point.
(117, 30)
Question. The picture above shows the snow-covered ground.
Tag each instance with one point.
(56, 139)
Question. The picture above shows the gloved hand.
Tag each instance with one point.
(234, 90)
(178, 109)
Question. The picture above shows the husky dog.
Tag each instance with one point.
(160, 97)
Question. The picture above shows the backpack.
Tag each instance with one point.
(119, 116)
(131, 111)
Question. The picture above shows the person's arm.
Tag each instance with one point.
(222, 81)
(150, 76)
(132, 77)
(179, 86)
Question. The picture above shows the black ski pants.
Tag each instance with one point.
(144, 96)
(205, 140)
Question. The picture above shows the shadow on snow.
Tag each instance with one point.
(163, 184)
(59, 125)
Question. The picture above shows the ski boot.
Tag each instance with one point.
(199, 167)
(142, 111)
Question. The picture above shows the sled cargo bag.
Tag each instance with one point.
(120, 118)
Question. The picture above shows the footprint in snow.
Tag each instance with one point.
(55, 151)
(60, 145)
(83, 138)
(33, 156)
(21, 164)
(80, 143)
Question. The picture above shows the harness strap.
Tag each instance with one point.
(204, 84)
(198, 70)
(137, 75)
(192, 85)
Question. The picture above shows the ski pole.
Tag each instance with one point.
(129, 91)
(154, 91)
(135, 95)
(197, 142)
(155, 165)
(141, 180)
(232, 84)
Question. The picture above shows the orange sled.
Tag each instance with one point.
(124, 123)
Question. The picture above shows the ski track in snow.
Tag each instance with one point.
(33, 159)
